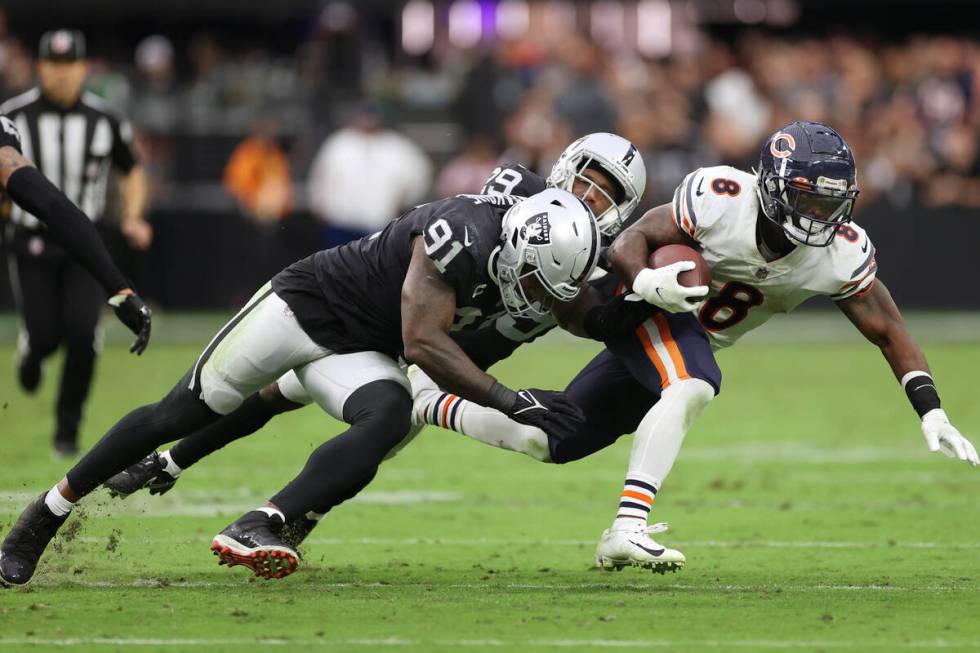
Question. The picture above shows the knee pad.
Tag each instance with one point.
(694, 394)
(385, 404)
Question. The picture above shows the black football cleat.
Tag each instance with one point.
(26, 541)
(255, 541)
(147, 473)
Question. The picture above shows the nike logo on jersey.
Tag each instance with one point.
(653, 552)
(698, 192)
(466, 239)
(479, 290)
(864, 247)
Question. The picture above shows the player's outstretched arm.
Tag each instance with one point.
(631, 250)
(428, 305)
(66, 223)
(877, 317)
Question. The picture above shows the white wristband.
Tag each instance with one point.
(908, 376)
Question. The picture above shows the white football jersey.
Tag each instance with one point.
(718, 207)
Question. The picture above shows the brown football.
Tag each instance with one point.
(699, 276)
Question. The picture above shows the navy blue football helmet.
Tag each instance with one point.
(807, 182)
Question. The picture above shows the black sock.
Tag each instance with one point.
(139, 433)
(380, 415)
(249, 418)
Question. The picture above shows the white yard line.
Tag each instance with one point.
(531, 541)
(210, 504)
(653, 585)
(485, 643)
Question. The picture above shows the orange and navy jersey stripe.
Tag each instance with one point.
(662, 350)
(682, 207)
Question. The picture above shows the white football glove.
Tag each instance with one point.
(660, 287)
(942, 436)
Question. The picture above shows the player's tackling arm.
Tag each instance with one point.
(428, 307)
(876, 316)
(631, 250)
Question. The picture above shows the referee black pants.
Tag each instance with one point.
(60, 304)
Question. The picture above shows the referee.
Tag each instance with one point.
(74, 142)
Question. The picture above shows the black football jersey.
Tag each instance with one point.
(505, 334)
(513, 179)
(349, 298)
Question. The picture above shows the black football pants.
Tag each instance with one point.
(60, 304)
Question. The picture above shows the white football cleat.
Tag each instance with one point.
(632, 546)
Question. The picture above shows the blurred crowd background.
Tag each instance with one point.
(304, 124)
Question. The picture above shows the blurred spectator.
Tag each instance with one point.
(257, 174)
(584, 101)
(154, 103)
(467, 172)
(363, 176)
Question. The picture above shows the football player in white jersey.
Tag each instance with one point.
(773, 238)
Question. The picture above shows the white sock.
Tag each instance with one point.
(492, 427)
(437, 408)
(273, 512)
(171, 467)
(56, 503)
(661, 432)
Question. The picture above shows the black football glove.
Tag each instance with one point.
(136, 315)
(552, 412)
(617, 317)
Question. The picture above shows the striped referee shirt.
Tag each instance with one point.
(73, 147)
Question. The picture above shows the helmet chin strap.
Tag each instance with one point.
(771, 238)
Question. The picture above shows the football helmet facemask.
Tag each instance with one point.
(549, 247)
(615, 157)
(807, 182)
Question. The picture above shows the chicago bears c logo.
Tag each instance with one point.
(775, 148)
(537, 230)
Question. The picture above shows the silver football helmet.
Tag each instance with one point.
(552, 238)
(613, 155)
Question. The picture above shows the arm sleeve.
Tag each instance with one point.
(67, 225)
(123, 158)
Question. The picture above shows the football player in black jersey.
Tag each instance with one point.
(454, 264)
(605, 170)
(73, 230)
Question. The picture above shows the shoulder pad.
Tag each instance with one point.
(707, 195)
(513, 179)
(853, 256)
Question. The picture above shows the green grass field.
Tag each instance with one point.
(810, 512)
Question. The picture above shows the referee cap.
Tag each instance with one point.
(62, 45)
